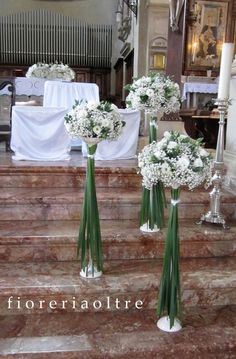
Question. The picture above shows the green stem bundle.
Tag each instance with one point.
(152, 206)
(153, 201)
(169, 292)
(89, 242)
(153, 129)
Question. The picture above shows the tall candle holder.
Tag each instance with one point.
(214, 215)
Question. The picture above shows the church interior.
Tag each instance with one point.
(53, 186)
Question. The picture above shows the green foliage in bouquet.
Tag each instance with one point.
(92, 122)
(176, 161)
(154, 94)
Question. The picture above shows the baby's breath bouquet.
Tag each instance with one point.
(177, 160)
(51, 71)
(100, 121)
(155, 94)
(39, 70)
(61, 71)
(92, 122)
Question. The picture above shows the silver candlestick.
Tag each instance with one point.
(214, 215)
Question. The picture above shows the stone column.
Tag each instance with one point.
(140, 40)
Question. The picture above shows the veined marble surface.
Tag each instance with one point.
(207, 333)
(38, 241)
(204, 281)
(39, 219)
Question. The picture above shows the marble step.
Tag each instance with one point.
(119, 203)
(68, 177)
(35, 287)
(208, 332)
(38, 241)
(67, 174)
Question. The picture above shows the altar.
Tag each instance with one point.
(191, 91)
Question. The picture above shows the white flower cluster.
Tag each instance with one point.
(154, 93)
(177, 160)
(51, 71)
(94, 120)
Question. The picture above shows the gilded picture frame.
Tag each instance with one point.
(206, 35)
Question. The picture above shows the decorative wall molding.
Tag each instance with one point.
(124, 29)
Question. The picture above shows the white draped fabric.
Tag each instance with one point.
(39, 134)
(27, 86)
(125, 147)
(198, 87)
(64, 94)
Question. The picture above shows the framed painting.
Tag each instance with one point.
(206, 35)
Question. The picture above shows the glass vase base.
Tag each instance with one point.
(88, 274)
(164, 324)
(145, 228)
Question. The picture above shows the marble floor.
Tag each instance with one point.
(207, 333)
(77, 160)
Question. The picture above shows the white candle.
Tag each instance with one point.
(225, 70)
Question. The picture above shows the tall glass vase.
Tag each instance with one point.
(153, 125)
(153, 201)
(169, 291)
(89, 242)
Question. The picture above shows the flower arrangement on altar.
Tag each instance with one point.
(154, 93)
(177, 160)
(51, 71)
(92, 122)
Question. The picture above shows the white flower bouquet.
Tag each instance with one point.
(154, 93)
(40, 70)
(177, 160)
(93, 122)
(61, 71)
(51, 71)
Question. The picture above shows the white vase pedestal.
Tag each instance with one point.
(164, 324)
(88, 274)
(145, 228)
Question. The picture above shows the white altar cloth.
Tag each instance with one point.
(27, 86)
(39, 134)
(198, 87)
(125, 147)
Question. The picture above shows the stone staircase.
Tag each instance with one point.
(48, 311)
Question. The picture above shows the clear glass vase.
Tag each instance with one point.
(169, 289)
(153, 201)
(89, 242)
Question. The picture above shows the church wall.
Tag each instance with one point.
(158, 18)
